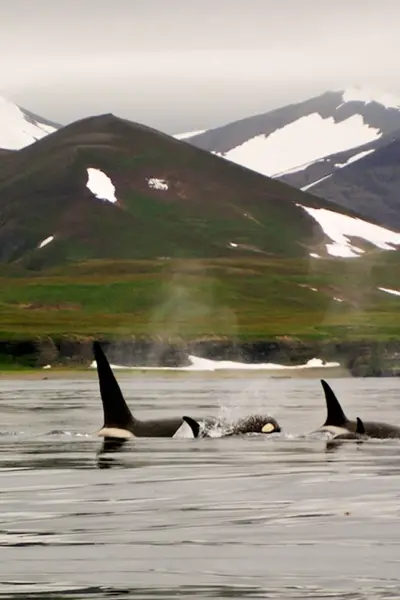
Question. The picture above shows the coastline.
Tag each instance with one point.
(52, 358)
(91, 374)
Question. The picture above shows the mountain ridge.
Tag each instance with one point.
(204, 206)
(129, 154)
(316, 142)
(363, 122)
(169, 240)
(20, 127)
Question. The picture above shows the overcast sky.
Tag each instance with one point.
(185, 64)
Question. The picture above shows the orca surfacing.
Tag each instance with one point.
(251, 424)
(338, 423)
(119, 423)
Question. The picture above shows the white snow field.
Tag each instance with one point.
(340, 227)
(46, 241)
(18, 129)
(300, 143)
(101, 185)
(157, 184)
(389, 291)
(206, 364)
(312, 137)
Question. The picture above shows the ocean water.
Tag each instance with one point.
(248, 517)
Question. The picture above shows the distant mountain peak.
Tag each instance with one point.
(296, 136)
(20, 127)
(367, 96)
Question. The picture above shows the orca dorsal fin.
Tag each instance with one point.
(335, 415)
(360, 427)
(116, 412)
(194, 425)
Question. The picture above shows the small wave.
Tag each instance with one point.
(206, 364)
(58, 433)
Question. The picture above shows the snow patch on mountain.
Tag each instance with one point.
(389, 291)
(340, 227)
(354, 158)
(158, 184)
(302, 141)
(183, 136)
(19, 129)
(101, 185)
(349, 161)
(46, 241)
(310, 185)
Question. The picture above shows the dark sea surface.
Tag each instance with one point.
(246, 517)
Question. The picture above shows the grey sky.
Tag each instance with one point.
(184, 64)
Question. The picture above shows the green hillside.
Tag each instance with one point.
(211, 209)
(243, 298)
(218, 251)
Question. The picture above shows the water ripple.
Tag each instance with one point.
(243, 517)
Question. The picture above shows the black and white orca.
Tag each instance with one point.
(119, 423)
(338, 424)
(251, 424)
(358, 436)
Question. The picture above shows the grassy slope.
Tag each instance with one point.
(210, 202)
(240, 298)
(209, 289)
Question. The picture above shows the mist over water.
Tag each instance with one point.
(190, 294)
(251, 517)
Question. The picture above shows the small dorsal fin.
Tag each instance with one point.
(194, 425)
(116, 412)
(360, 427)
(335, 415)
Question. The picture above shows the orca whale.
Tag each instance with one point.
(119, 423)
(338, 423)
(358, 434)
(251, 424)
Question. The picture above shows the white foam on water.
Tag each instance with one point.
(101, 185)
(337, 227)
(389, 291)
(206, 364)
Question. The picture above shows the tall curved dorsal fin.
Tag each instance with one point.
(360, 427)
(194, 425)
(116, 412)
(335, 415)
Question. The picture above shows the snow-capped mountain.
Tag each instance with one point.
(19, 127)
(293, 138)
(190, 202)
(370, 184)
